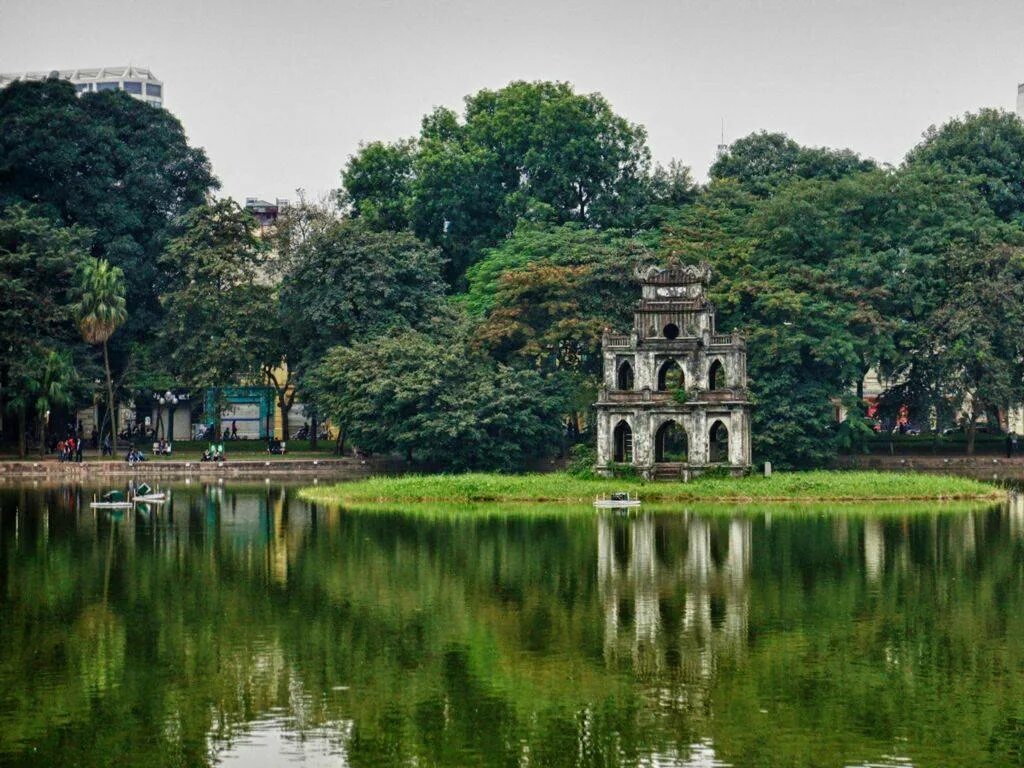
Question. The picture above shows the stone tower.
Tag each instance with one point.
(673, 402)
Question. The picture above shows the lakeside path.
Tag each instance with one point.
(339, 468)
(560, 488)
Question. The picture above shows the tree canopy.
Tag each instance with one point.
(108, 162)
(535, 151)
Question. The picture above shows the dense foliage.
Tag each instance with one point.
(451, 307)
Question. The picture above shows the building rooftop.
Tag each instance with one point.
(84, 75)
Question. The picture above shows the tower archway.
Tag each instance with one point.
(670, 376)
(716, 376)
(671, 443)
(625, 377)
(622, 443)
(719, 448)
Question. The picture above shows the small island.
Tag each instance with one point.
(562, 488)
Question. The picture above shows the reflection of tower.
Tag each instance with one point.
(607, 582)
(645, 587)
(874, 549)
(737, 570)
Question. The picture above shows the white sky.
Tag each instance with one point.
(280, 93)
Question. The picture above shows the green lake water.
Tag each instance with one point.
(238, 625)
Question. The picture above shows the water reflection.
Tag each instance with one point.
(238, 625)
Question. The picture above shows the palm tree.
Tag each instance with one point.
(101, 311)
(53, 389)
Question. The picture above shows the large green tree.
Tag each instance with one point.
(763, 161)
(436, 400)
(219, 293)
(38, 259)
(986, 149)
(529, 150)
(827, 279)
(968, 353)
(346, 282)
(111, 163)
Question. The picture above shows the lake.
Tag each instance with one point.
(240, 626)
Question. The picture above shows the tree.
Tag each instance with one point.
(970, 350)
(986, 149)
(437, 401)
(219, 293)
(100, 311)
(827, 279)
(537, 151)
(348, 282)
(109, 162)
(762, 162)
(56, 388)
(376, 184)
(547, 294)
(38, 259)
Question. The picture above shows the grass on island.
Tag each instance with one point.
(813, 486)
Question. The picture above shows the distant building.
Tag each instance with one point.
(137, 82)
(1020, 100)
(265, 213)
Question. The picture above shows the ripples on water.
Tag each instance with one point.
(240, 626)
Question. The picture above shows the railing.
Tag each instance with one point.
(616, 340)
(721, 339)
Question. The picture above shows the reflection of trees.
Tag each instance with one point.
(645, 640)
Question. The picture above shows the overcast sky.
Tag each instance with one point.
(281, 93)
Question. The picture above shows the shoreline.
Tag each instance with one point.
(558, 488)
(340, 468)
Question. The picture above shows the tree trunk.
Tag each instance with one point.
(313, 435)
(972, 429)
(110, 401)
(285, 407)
(22, 426)
(42, 434)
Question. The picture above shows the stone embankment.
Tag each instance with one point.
(341, 469)
(979, 467)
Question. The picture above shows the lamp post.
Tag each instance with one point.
(160, 401)
(172, 402)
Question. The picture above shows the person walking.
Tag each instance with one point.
(79, 445)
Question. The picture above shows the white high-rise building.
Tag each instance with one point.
(137, 82)
(1020, 100)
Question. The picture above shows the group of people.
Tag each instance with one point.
(214, 453)
(162, 448)
(70, 448)
(134, 455)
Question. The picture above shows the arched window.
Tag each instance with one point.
(622, 438)
(670, 376)
(716, 376)
(670, 443)
(625, 377)
(719, 443)
(670, 331)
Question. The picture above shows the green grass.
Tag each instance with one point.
(560, 488)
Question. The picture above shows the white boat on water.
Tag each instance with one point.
(621, 500)
(146, 494)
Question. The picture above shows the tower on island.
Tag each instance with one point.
(674, 401)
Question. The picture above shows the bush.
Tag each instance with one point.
(582, 459)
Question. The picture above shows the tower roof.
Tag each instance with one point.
(675, 273)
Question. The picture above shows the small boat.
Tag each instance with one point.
(146, 494)
(620, 500)
(112, 500)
